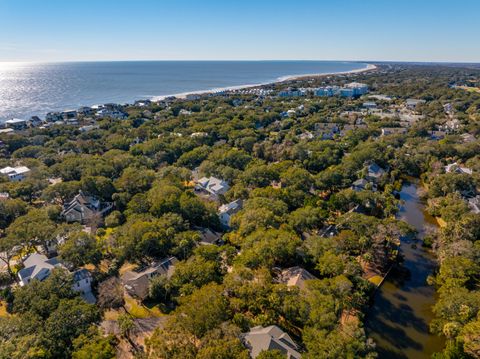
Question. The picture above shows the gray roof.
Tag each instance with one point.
(270, 338)
(81, 274)
(232, 207)
(296, 276)
(37, 266)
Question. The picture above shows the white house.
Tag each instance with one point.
(15, 173)
(82, 283)
(212, 185)
(456, 168)
(16, 123)
(39, 267)
(226, 211)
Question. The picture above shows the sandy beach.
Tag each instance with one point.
(286, 78)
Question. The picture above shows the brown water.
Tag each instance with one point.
(399, 318)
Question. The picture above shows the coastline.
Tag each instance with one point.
(286, 78)
(183, 95)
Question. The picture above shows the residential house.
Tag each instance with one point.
(15, 174)
(456, 168)
(412, 103)
(53, 117)
(207, 236)
(83, 208)
(82, 283)
(136, 282)
(34, 121)
(39, 267)
(295, 277)
(69, 114)
(328, 231)
(374, 172)
(185, 112)
(369, 105)
(85, 111)
(16, 124)
(110, 113)
(212, 186)
(362, 184)
(393, 131)
(226, 211)
(88, 128)
(260, 339)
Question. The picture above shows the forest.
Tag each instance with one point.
(271, 211)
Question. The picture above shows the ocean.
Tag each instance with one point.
(28, 89)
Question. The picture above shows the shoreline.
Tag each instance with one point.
(286, 78)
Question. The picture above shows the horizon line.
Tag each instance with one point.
(246, 60)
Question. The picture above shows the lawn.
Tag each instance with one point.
(135, 309)
(3, 310)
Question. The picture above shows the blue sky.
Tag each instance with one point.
(403, 30)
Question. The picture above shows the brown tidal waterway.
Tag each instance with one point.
(399, 319)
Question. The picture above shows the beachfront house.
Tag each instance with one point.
(260, 339)
(83, 208)
(136, 283)
(16, 123)
(15, 174)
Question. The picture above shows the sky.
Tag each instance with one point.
(381, 30)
